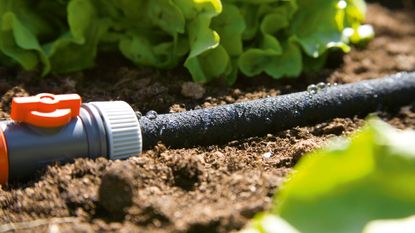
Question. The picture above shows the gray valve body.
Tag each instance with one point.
(93, 133)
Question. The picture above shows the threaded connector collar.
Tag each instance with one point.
(122, 129)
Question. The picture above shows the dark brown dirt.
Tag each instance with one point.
(205, 189)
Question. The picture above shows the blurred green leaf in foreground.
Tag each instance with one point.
(347, 185)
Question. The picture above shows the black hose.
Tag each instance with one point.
(258, 117)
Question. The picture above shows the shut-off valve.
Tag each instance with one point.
(50, 128)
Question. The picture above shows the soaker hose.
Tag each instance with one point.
(58, 128)
(258, 117)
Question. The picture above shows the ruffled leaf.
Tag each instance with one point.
(85, 32)
(353, 182)
(253, 36)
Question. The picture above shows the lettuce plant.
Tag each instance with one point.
(348, 185)
(211, 38)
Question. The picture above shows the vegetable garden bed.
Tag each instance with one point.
(215, 188)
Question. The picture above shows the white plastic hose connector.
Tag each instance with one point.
(122, 129)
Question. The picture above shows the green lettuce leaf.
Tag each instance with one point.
(20, 30)
(18, 42)
(288, 64)
(229, 25)
(348, 185)
(76, 49)
(24, 30)
(267, 54)
(281, 38)
(311, 33)
(343, 187)
(203, 39)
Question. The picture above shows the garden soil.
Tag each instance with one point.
(216, 188)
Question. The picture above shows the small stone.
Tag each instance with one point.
(229, 99)
(69, 83)
(267, 155)
(193, 90)
(177, 108)
(54, 228)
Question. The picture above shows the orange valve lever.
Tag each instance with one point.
(46, 110)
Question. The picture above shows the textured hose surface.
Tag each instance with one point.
(258, 117)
